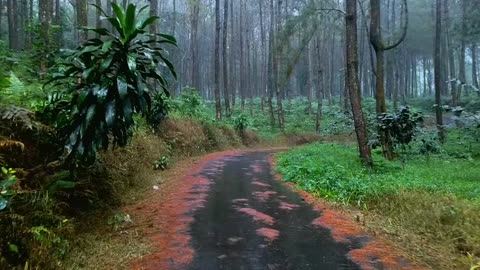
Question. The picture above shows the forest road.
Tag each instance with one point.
(251, 221)
(241, 217)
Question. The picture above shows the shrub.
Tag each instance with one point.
(114, 76)
(241, 123)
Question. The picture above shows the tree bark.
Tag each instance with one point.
(474, 65)
(82, 20)
(462, 72)
(438, 79)
(451, 58)
(353, 83)
(380, 47)
(270, 66)
(12, 24)
(1, 19)
(242, 58)
(226, 87)
(310, 85)
(194, 18)
(276, 70)
(44, 17)
(98, 21)
(218, 104)
(318, 86)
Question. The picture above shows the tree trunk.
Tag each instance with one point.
(82, 20)
(12, 24)
(451, 59)
(474, 65)
(242, 59)
(218, 104)
(462, 74)
(271, 76)
(380, 47)
(310, 67)
(45, 21)
(154, 12)
(226, 87)
(353, 83)
(195, 72)
(318, 86)
(1, 19)
(438, 79)
(98, 14)
(276, 70)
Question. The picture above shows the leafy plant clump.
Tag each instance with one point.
(7, 181)
(162, 163)
(241, 123)
(401, 126)
(111, 80)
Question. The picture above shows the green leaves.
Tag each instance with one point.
(6, 186)
(115, 71)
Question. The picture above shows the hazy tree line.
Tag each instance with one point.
(233, 51)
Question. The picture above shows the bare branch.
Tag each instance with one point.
(332, 9)
(404, 29)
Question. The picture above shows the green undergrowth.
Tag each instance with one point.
(435, 200)
(331, 171)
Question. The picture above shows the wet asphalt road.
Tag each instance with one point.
(251, 221)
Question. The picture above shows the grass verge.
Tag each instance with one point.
(429, 206)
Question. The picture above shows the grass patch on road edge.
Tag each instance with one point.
(430, 206)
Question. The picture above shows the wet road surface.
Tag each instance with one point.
(251, 221)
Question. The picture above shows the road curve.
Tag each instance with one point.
(232, 213)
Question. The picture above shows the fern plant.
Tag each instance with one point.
(108, 79)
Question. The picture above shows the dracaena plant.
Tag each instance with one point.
(110, 81)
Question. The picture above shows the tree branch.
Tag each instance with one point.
(332, 9)
(404, 29)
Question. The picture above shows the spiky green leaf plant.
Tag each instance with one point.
(110, 79)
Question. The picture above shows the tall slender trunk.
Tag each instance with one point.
(44, 18)
(310, 85)
(462, 72)
(318, 85)
(242, 58)
(12, 24)
(264, 62)
(195, 68)
(451, 57)
(424, 67)
(82, 20)
(174, 19)
(233, 63)
(474, 65)
(98, 14)
(353, 83)
(332, 70)
(271, 76)
(380, 47)
(438, 79)
(1, 18)
(276, 68)
(226, 87)
(218, 104)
